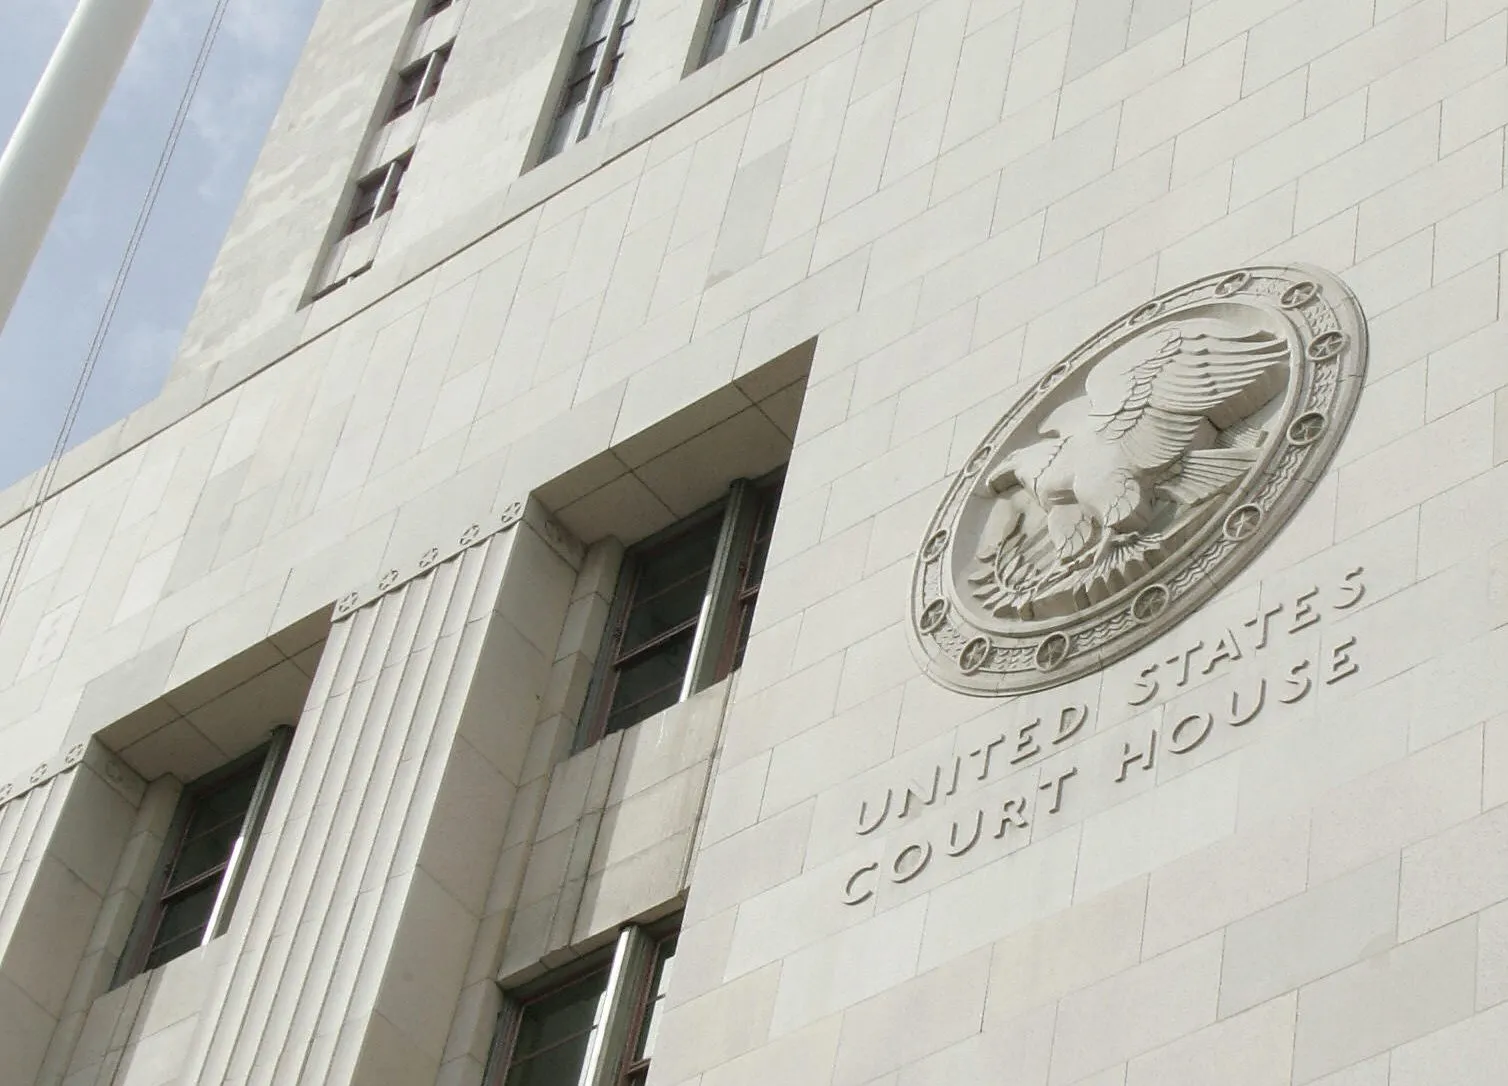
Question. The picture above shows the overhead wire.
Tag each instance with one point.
(49, 473)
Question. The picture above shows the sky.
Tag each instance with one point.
(43, 345)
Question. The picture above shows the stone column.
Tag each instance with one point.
(351, 939)
(62, 828)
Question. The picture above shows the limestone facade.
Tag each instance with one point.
(391, 495)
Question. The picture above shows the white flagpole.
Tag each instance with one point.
(49, 139)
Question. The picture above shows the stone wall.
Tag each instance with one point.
(946, 196)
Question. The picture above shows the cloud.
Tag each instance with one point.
(268, 27)
(140, 351)
(226, 124)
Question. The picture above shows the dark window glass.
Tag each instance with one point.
(652, 647)
(434, 7)
(215, 814)
(670, 582)
(417, 82)
(577, 114)
(752, 574)
(649, 683)
(646, 1028)
(406, 93)
(614, 66)
(376, 193)
(553, 1033)
(732, 22)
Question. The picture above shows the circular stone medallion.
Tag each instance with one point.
(1164, 453)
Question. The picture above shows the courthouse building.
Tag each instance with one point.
(814, 542)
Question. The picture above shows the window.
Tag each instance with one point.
(733, 22)
(417, 82)
(593, 1026)
(208, 848)
(683, 610)
(646, 1027)
(554, 1031)
(376, 193)
(434, 7)
(589, 85)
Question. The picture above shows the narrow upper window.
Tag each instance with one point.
(588, 1027)
(417, 82)
(752, 576)
(585, 99)
(647, 1028)
(683, 610)
(376, 193)
(733, 22)
(218, 820)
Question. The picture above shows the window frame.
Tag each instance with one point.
(384, 182)
(511, 1021)
(599, 78)
(230, 874)
(429, 69)
(630, 1067)
(748, 22)
(630, 963)
(715, 633)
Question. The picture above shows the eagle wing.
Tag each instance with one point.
(1153, 410)
(1025, 466)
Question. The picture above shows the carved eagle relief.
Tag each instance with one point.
(1125, 470)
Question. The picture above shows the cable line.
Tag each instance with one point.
(107, 316)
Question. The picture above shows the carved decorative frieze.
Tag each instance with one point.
(514, 513)
(1136, 477)
(119, 777)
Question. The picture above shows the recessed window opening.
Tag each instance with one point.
(587, 95)
(417, 83)
(733, 22)
(646, 1024)
(555, 1030)
(596, 1025)
(376, 193)
(219, 817)
(683, 609)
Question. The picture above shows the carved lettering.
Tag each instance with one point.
(1070, 720)
(1262, 620)
(983, 754)
(903, 870)
(1012, 813)
(1147, 686)
(1341, 664)
(922, 793)
(1299, 681)
(1145, 757)
(1187, 734)
(1195, 727)
(1183, 660)
(1352, 590)
(1055, 786)
(953, 783)
(954, 848)
(850, 896)
(1304, 615)
(866, 826)
(1237, 718)
(1026, 743)
(1228, 649)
